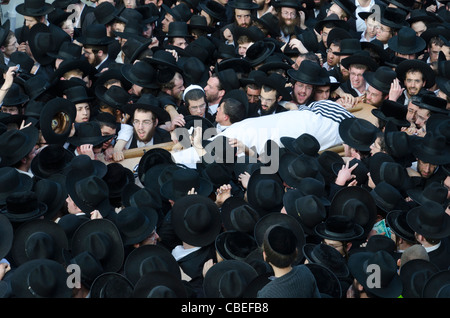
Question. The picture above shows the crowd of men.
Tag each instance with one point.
(255, 179)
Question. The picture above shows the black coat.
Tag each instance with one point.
(160, 136)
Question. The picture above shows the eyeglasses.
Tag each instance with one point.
(146, 123)
(288, 14)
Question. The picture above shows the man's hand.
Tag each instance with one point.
(223, 193)
(396, 90)
(87, 149)
(345, 174)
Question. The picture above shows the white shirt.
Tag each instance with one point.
(360, 24)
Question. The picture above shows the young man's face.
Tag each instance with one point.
(13, 110)
(197, 107)
(422, 116)
(374, 97)
(338, 11)
(212, 90)
(144, 125)
(411, 114)
(413, 83)
(168, 18)
(425, 169)
(332, 59)
(384, 33)
(321, 93)
(10, 47)
(83, 112)
(356, 78)
(243, 18)
(302, 92)
(106, 131)
(268, 101)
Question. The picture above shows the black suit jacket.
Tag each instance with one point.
(159, 137)
(441, 256)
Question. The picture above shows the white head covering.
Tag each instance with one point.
(191, 87)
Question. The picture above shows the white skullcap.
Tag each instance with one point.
(191, 87)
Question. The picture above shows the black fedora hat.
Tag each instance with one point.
(414, 275)
(6, 235)
(84, 165)
(70, 223)
(15, 96)
(12, 181)
(390, 284)
(67, 51)
(432, 103)
(111, 285)
(117, 177)
(308, 209)
(53, 194)
(429, 220)
(88, 263)
(34, 8)
(332, 19)
(147, 259)
(179, 29)
(437, 286)
(386, 196)
(328, 283)
(88, 133)
(152, 158)
(179, 12)
(114, 96)
(265, 192)
(326, 159)
(238, 215)
(36, 86)
(433, 191)
(314, 186)
(199, 22)
(393, 17)
(358, 133)
(56, 119)
(78, 94)
(136, 224)
(89, 193)
(41, 41)
(106, 12)
(38, 239)
(4, 30)
(275, 81)
(214, 9)
(327, 256)
(407, 42)
(95, 34)
(392, 111)
(183, 181)
(349, 46)
(160, 285)
(259, 51)
(432, 149)
(428, 73)
(381, 78)
(293, 168)
(307, 73)
(196, 220)
(243, 5)
(40, 278)
(235, 245)
(348, 6)
(270, 22)
(50, 160)
(271, 220)
(16, 144)
(23, 206)
(362, 57)
(303, 144)
(80, 64)
(357, 203)
(339, 228)
(102, 239)
(140, 73)
(228, 279)
(133, 48)
(396, 220)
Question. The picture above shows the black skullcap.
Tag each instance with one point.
(282, 240)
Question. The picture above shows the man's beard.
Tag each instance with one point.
(147, 137)
(268, 111)
(288, 29)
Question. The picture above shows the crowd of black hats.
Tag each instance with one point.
(381, 203)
